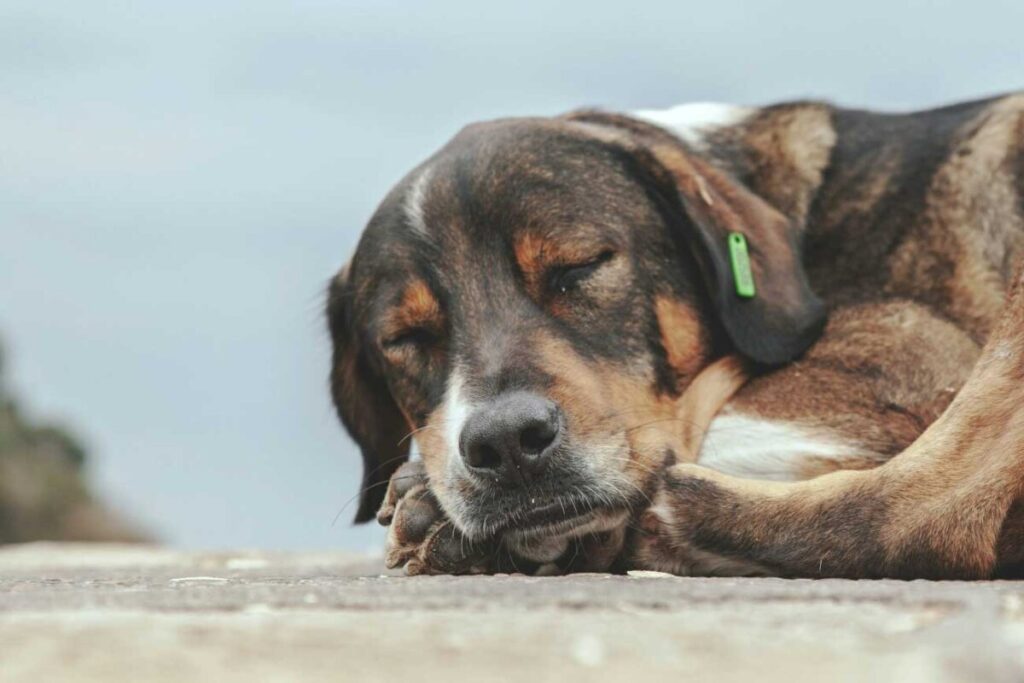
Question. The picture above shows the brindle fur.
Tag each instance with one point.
(907, 226)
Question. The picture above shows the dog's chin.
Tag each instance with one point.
(542, 531)
(592, 521)
(541, 522)
(547, 543)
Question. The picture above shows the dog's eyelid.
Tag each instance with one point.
(412, 336)
(599, 257)
(566, 277)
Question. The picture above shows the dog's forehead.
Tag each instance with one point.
(464, 209)
(499, 162)
(496, 179)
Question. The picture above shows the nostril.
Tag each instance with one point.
(535, 438)
(485, 457)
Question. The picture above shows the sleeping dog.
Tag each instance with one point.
(693, 340)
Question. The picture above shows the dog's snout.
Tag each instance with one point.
(511, 437)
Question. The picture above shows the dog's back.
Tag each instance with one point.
(923, 206)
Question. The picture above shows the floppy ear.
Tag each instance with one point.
(363, 401)
(784, 317)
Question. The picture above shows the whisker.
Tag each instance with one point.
(414, 432)
(643, 494)
(400, 459)
(363, 490)
(642, 425)
(576, 551)
(636, 463)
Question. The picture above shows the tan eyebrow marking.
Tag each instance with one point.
(536, 253)
(529, 251)
(418, 307)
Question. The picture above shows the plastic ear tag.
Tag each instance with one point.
(739, 257)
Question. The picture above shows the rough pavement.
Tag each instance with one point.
(124, 613)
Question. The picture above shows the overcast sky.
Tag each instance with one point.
(179, 179)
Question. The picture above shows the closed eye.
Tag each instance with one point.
(418, 337)
(565, 279)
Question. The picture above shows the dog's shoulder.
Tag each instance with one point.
(879, 375)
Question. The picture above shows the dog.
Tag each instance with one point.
(693, 340)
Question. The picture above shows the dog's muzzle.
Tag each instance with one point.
(510, 440)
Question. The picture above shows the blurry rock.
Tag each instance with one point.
(43, 492)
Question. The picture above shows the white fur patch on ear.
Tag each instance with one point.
(414, 202)
(765, 449)
(692, 122)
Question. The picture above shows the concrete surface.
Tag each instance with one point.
(124, 613)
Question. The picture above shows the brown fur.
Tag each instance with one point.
(879, 375)
(906, 228)
(949, 505)
(938, 510)
(781, 153)
(418, 308)
(684, 337)
(704, 398)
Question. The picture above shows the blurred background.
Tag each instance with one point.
(179, 180)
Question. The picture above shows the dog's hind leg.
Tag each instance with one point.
(946, 507)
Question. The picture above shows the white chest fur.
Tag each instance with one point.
(751, 447)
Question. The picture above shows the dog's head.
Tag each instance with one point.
(529, 304)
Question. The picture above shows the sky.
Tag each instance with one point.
(179, 180)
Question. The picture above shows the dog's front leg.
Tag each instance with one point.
(946, 507)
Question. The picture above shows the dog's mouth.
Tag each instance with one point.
(552, 516)
(568, 501)
(549, 518)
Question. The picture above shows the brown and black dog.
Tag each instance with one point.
(547, 307)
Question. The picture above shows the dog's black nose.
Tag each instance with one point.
(511, 437)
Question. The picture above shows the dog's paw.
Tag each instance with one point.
(420, 537)
(658, 542)
(668, 537)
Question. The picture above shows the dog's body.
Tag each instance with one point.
(912, 233)
(909, 228)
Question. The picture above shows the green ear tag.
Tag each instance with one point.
(740, 259)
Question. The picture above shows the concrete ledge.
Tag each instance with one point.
(134, 613)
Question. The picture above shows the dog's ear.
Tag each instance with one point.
(363, 400)
(784, 317)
